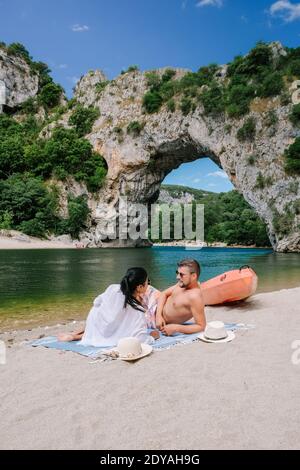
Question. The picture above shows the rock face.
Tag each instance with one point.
(17, 82)
(166, 198)
(139, 161)
(137, 164)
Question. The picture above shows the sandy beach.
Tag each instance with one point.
(15, 240)
(238, 395)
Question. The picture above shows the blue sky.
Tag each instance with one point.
(74, 36)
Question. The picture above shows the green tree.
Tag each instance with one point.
(292, 155)
(78, 213)
(50, 95)
(152, 102)
(83, 119)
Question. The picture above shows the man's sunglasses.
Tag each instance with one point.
(182, 274)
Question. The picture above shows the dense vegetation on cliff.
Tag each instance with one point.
(229, 92)
(28, 160)
(42, 141)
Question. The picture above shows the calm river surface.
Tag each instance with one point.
(47, 286)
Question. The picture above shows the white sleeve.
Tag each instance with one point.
(98, 300)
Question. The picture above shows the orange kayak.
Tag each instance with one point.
(230, 286)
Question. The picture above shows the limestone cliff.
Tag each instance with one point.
(141, 149)
(138, 162)
(17, 81)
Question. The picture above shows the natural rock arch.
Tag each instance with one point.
(138, 163)
(141, 149)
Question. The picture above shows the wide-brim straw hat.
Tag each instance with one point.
(131, 349)
(215, 332)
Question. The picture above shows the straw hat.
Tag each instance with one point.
(131, 349)
(215, 332)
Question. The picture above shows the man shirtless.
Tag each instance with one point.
(182, 302)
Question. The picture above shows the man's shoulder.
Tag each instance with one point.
(195, 294)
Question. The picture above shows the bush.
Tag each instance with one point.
(66, 154)
(213, 100)
(271, 119)
(168, 75)
(283, 223)
(167, 90)
(272, 85)
(131, 68)
(260, 56)
(171, 105)
(238, 99)
(185, 106)
(43, 72)
(27, 199)
(50, 95)
(294, 68)
(247, 131)
(11, 156)
(135, 128)
(83, 119)
(34, 228)
(292, 155)
(78, 212)
(6, 220)
(17, 48)
(29, 106)
(251, 159)
(153, 80)
(152, 102)
(100, 86)
(260, 182)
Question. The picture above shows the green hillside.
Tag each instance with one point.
(228, 218)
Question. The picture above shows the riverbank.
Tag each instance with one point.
(194, 244)
(14, 240)
(196, 396)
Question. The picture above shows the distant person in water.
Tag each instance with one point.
(125, 309)
(182, 302)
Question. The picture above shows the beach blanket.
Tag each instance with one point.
(164, 342)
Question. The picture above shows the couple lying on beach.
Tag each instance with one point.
(133, 307)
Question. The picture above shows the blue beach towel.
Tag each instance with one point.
(164, 342)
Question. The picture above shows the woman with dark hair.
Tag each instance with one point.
(123, 310)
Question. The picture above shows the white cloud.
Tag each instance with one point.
(212, 185)
(210, 3)
(286, 10)
(196, 180)
(218, 174)
(77, 28)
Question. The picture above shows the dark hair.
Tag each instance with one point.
(192, 264)
(134, 277)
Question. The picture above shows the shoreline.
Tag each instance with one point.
(15, 240)
(64, 324)
(182, 244)
(240, 383)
